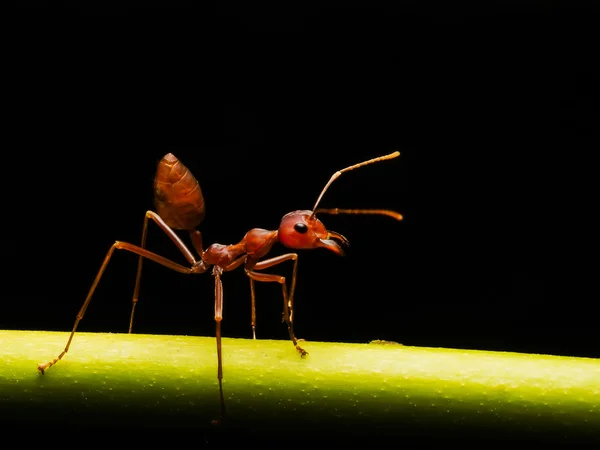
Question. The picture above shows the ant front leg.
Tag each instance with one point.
(288, 300)
(178, 242)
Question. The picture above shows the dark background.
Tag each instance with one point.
(492, 105)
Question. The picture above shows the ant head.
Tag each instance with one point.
(302, 230)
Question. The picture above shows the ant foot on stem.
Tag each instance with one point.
(302, 352)
(42, 368)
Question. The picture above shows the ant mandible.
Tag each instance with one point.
(180, 206)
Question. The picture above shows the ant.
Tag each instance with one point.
(180, 206)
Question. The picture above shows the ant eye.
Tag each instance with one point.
(301, 227)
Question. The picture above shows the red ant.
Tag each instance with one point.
(180, 206)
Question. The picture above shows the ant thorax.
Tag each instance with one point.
(222, 255)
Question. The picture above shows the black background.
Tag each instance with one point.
(492, 105)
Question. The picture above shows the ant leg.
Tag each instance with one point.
(178, 242)
(118, 245)
(253, 307)
(277, 260)
(234, 265)
(288, 301)
(217, 271)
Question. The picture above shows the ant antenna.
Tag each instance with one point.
(356, 211)
(383, 212)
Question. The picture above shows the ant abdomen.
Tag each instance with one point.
(177, 195)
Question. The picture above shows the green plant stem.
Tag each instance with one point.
(127, 381)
